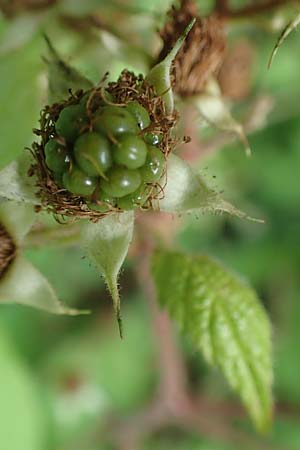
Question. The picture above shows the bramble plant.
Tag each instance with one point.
(106, 157)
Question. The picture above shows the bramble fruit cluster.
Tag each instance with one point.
(105, 153)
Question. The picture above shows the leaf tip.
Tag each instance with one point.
(120, 324)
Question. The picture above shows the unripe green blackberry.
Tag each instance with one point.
(134, 200)
(57, 157)
(92, 154)
(140, 114)
(78, 182)
(121, 181)
(114, 121)
(70, 122)
(130, 151)
(152, 138)
(153, 169)
(96, 155)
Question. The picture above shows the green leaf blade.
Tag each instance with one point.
(225, 320)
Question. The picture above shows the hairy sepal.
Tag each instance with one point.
(186, 191)
(214, 110)
(15, 184)
(62, 77)
(107, 243)
(159, 75)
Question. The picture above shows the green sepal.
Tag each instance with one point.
(62, 77)
(225, 321)
(214, 110)
(284, 34)
(17, 218)
(159, 75)
(186, 191)
(15, 183)
(22, 283)
(107, 243)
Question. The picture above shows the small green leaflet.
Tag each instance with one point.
(107, 243)
(62, 77)
(225, 320)
(187, 192)
(287, 30)
(159, 75)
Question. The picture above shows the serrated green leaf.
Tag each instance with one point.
(62, 77)
(22, 283)
(186, 191)
(107, 243)
(285, 33)
(214, 110)
(225, 320)
(159, 75)
(15, 184)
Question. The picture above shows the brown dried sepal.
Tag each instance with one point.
(202, 52)
(7, 250)
(129, 87)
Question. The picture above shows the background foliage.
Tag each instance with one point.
(63, 379)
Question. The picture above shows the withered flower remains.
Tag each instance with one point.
(202, 52)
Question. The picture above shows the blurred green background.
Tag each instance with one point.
(62, 380)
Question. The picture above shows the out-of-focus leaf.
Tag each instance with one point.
(214, 110)
(21, 413)
(20, 100)
(159, 75)
(62, 77)
(186, 191)
(225, 320)
(17, 218)
(19, 31)
(287, 30)
(107, 243)
(15, 184)
(22, 283)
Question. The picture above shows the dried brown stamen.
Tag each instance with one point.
(7, 250)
